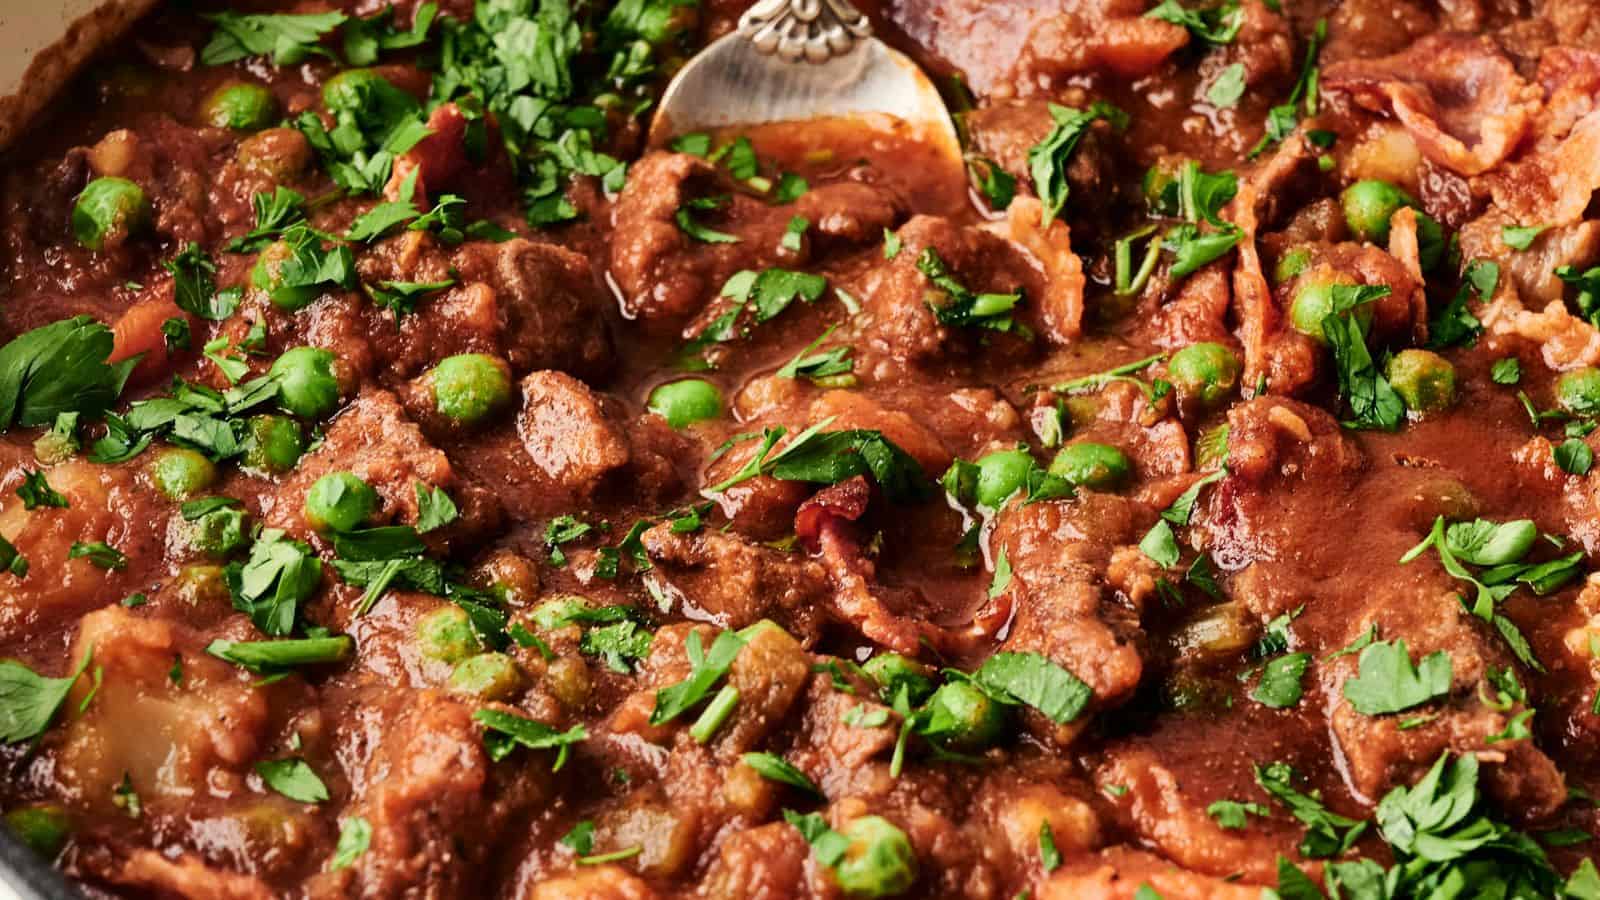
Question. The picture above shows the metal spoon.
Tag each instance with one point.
(793, 60)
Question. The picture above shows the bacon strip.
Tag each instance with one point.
(1458, 95)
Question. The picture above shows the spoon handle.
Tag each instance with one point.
(810, 30)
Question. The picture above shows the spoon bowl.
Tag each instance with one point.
(796, 60)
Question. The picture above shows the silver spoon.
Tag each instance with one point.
(793, 60)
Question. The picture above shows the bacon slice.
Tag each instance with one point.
(1458, 95)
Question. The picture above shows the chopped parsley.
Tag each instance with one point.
(1227, 88)
(1327, 833)
(99, 553)
(706, 670)
(1048, 159)
(505, 732)
(964, 308)
(59, 368)
(29, 701)
(194, 286)
(285, 39)
(1280, 684)
(1216, 25)
(355, 836)
(271, 657)
(775, 768)
(1520, 237)
(1232, 814)
(35, 492)
(1388, 682)
(1282, 119)
(293, 778)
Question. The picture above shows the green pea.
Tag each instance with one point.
(446, 635)
(1001, 474)
(894, 672)
(272, 444)
(470, 387)
(1087, 464)
(243, 107)
(204, 585)
(1368, 205)
(306, 386)
(1291, 264)
(962, 716)
(339, 501)
(487, 676)
(350, 89)
(686, 402)
(219, 532)
(1313, 302)
(1578, 392)
(878, 861)
(1424, 380)
(1206, 370)
(282, 154)
(109, 208)
(44, 827)
(180, 473)
(267, 277)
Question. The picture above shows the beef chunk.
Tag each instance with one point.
(735, 583)
(424, 782)
(1063, 608)
(568, 433)
(373, 438)
(549, 309)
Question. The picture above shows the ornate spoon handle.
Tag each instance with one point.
(812, 30)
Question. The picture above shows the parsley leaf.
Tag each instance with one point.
(274, 212)
(1455, 325)
(100, 554)
(435, 509)
(618, 644)
(355, 836)
(35, 492)
(706, 670)
(268, 657)
(1231, 814)
(1282, 119)
(293, 778)
(194, 288)
(59, 368)
(1520, 238)
(1227, 87)
(832, 367)
(966, 308)
(997, 186)
(280, 574)
(690, 226)
(365, 39)
(1373, 402)
(1217, 25)
(827, 845)
(504, 732)
(773, 767)
(1574, 456)
(287, 39)
(1034, 680)
(1048, 159)
(1387, 682)
(1280, 686)
(29, 701)
(1506, 371)
(1327, 833)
